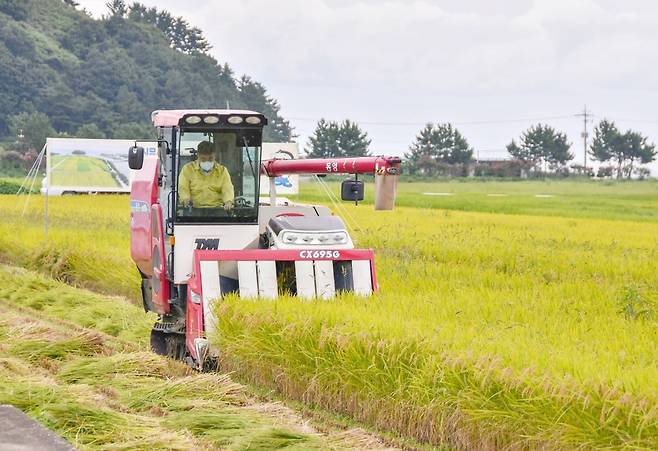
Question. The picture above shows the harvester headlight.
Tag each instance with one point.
(323, 238)
(253, 120)
(340, 238)
(290, 238)
(193, 120)
(307, 238)
(211, 120)
(235, 120)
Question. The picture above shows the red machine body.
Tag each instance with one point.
(189, 259)
(143, 195)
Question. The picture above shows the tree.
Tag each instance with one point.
(542, 145)
(332, 140)
(606, 141)
(256, 98)
(324, 142)
(34, 128)
(178, 31)
(90, 131)
(134, 131)
(451, 146)
(438, 146)
(523, 154)
(18, 9)
(626, 150)
(637, 150)
(352, 141)
(117, 8)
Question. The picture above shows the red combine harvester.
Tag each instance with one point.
(191, 255)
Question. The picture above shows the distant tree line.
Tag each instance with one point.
(626, 151)
(541, 150)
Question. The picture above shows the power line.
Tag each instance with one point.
(477, 122)
(643, 121)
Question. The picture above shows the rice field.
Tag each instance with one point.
(509, 325)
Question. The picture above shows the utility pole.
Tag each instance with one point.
(585, 115)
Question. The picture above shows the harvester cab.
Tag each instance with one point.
(200, 230)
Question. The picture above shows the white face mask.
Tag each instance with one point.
(206, 165)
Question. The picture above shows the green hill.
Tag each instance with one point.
(107, 75)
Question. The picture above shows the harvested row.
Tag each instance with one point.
(77, 363)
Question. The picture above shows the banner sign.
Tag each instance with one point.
(90, 165)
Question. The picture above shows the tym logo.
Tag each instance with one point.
(207, 244)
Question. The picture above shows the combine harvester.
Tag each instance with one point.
(189, 257)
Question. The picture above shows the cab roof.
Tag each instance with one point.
(172, 118)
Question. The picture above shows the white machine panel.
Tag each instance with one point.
(324, 279)
(362, 277)
(267, 286)
(248, 279)
(305, 279)
(211, 291)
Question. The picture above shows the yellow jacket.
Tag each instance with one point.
(205, 190)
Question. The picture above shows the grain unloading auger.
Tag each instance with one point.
(190, 251)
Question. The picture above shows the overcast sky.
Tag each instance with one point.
(491, 68)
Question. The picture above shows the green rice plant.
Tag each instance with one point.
(87, 236)
(636, 304)
(489, 331)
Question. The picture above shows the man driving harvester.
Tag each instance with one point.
(204, 183)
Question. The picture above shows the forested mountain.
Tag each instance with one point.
(107, 75)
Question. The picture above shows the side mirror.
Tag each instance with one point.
(136, 157)
(352, 190)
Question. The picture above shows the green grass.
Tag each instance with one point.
(80, 171)
(634, 201)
